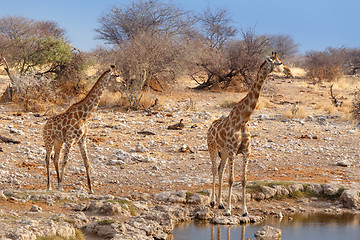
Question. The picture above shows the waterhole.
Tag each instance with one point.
(295, 227)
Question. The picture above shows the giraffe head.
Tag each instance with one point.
(275, 64)
(115, 75)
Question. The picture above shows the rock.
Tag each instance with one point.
(281, 190)
(151, 228)
(226, 220)
(350, 198)
(316, 188)
(2, 196)
(343, 163)
(258, 196)
(269, 192)
(114, 162)
(140, 148)
(94, 206)
(203, 213)
(198, 199)
(163, 196)
(122, 155)
(109, 208)
(35, 208)
(296, 187)
(268, 232)
(330, 189)
(80, 207)
(105, 229)
(177, 197)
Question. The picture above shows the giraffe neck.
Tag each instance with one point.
(242, 111)
(88, 105)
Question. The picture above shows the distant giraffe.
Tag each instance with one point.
(70, 127)
(229, 135)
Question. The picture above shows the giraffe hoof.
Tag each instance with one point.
(221, 206)
(212, 204)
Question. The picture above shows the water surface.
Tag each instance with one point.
(302, 226)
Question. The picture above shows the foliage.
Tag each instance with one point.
(30, 45)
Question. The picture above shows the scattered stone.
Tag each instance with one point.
(268, 232)
(80, 207)
(35, 208)
(140, 148)
(343, 163)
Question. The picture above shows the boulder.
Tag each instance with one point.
(296, 187)
(316, 188)
(268, 232)
(269, 192)
(350, 198)
(203, 213)
(330, 189)
(281, 190)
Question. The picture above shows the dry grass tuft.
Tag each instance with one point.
(294, 111)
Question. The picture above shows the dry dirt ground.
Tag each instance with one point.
(297, 135)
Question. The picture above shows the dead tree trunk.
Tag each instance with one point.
(335, 101)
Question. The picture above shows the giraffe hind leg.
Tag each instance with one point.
(82, 146)
(212, 153)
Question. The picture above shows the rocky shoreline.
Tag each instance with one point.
(154, 216)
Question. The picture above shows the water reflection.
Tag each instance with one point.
(228, 236)
(299, 226)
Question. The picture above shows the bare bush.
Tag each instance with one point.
(284, 45)
(33, 93)
(355, 111)
(324, 66)
(216, 28)
(148, 37)
(238, 60)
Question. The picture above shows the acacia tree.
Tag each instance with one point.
(148, 36)
(29, 44)
(36, 48)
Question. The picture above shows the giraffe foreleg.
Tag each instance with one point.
(67, 149)
(83, 150)
(245, 150)
(212, 152)
(57, 149)
(231, 183)
(221, 169)
(47, 161)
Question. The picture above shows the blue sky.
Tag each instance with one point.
(313, 24)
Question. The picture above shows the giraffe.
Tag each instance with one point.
(70, 127)
(229, 136)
